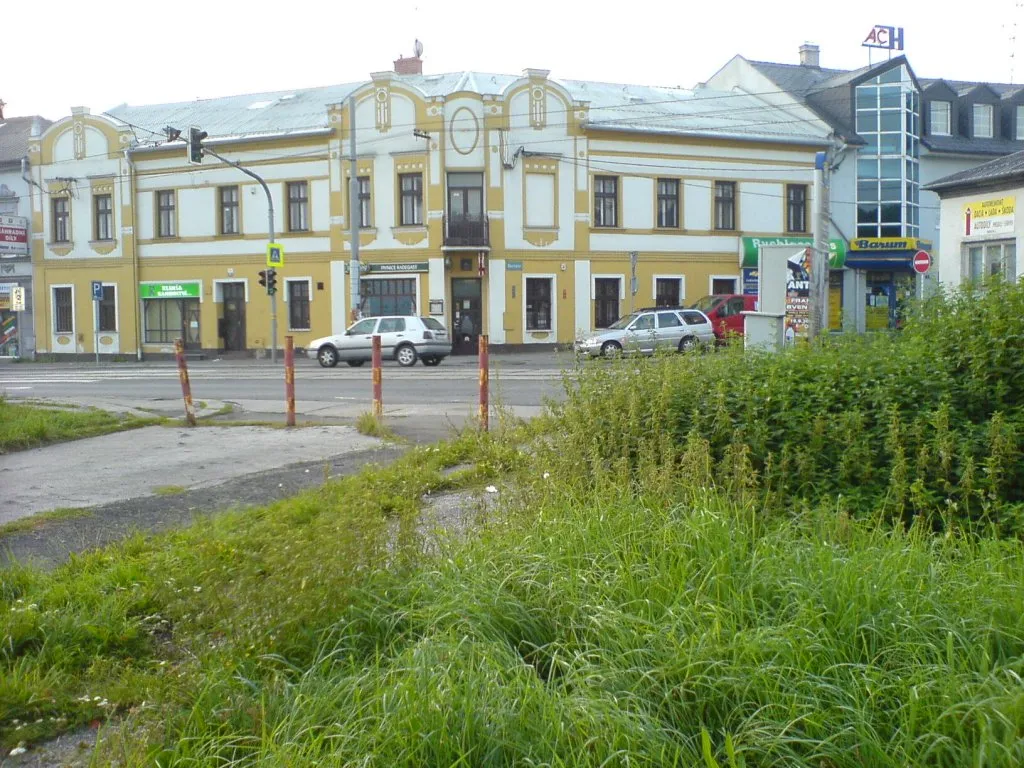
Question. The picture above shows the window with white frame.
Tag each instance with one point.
(298, 206)
(229, 210)
(538, 303)
(606, 201)
(63, 309)
(983, 121)
(103, 212)
(984, 261)
(166, 218)
(940, 114)
(725, 205)
(298, 297)
(668, 291)
(365, 209)
(61, 210)
(1019, 125)
(412, 199)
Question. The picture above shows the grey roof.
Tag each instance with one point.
(612, 105)
(15, 133)
(1005, 90)
(965, 145)
(1001, 169)
(252, 114)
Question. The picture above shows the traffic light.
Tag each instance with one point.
(195, 145)
(271, 281)
(263, 278)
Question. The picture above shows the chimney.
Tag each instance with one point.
(37, 128)
(410, 66)
(809, 55)
(413, 66)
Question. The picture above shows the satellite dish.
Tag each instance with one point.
(417, 49)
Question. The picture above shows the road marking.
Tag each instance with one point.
(17, 387)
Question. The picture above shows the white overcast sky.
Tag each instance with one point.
(99, 54)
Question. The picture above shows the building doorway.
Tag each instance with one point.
(233, 323)
(467, 314)
(606, 301)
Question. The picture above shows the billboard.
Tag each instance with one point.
(13, 236)
(994, 216)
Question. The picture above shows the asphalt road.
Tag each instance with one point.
(257, 386)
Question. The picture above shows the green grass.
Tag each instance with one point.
(373, 426)
(41, 519)
(169, 490)
(30, 426)
(647, 594)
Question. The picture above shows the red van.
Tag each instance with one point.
(725, 312)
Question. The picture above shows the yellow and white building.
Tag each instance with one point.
(518, 200)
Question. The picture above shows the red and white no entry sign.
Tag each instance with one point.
(922, 262)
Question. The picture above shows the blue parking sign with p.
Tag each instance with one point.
(275, 255)
(97, 290)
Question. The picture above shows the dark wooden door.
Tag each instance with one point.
(234, 316)
(467, 314)
(606, 301)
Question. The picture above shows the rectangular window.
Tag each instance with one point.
(298, 206)
(164, 320)
(940, 118)
(411, 185)
(538, 303)
(1019, 125)
(229, 224)
(61, 220)
(725, 205)
(723, 285)
(390, 296)
(63, 310)
(298, 305)
(796, 207)
(365, 211)
(606, 201)
(108, 309)
(983, 121)
(166, 220)
(668, 203)
(103, 211)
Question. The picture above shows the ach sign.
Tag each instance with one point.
(922, 262)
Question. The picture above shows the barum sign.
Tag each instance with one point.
(13, 236)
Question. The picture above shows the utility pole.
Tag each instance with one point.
(818, 320)
(353, 210)
(270, 229)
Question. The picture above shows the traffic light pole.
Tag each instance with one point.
(270, 229)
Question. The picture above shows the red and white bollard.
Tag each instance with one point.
(289, 380)
(186, 388)
(378, 398)
(485, 378)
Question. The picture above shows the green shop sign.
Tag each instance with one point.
(169, 290)
(836, 248)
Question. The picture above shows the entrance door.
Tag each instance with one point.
(234, 316)
(606, 301)
(467, 314)
(190, 321)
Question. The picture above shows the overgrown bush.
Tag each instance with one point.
(925, 421)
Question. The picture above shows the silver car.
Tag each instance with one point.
(404, 338)
(648, 330)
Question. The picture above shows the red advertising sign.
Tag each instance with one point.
(13, 236)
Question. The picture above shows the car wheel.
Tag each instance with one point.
(431, 361)
(355, 363)
(688, 344)
(327, 356)
(406, 355)
(611, 349)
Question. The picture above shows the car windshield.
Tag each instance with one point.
(621, 323)
(432, 324)
(705, 304)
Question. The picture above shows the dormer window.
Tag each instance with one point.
(1019, 127)
(939, 123)
(983, 121)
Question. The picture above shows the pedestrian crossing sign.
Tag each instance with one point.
(275, 255)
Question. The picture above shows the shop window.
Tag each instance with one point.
(985, 261)
(389, 296)
(538, 303)
(164, 320)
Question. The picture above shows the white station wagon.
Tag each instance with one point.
(404, 338)
(648, 330)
